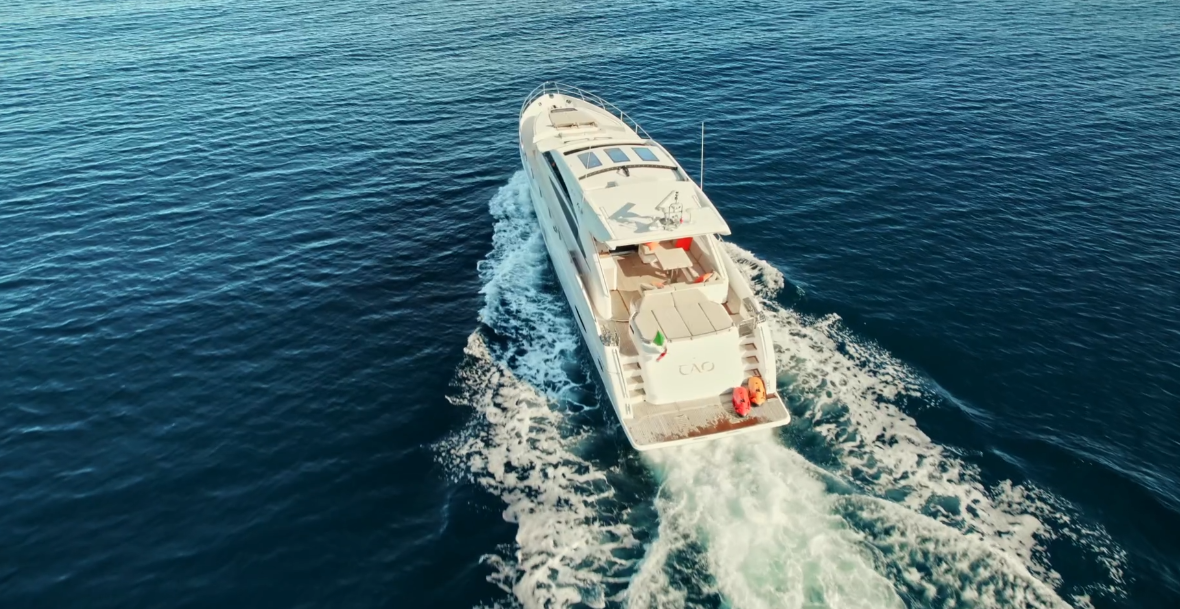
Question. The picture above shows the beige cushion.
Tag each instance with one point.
(698, 324)
(569, 117)
(684, 298)
(659, 300)
(671, 323)
(717, 315)
(645, 322)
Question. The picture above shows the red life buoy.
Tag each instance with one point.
(741, 401)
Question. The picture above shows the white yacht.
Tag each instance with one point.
(672, 325)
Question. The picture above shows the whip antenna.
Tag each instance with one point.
(702, 155)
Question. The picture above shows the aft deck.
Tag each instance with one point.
(658, 425)
(635, 276)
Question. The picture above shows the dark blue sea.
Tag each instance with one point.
(278, 330)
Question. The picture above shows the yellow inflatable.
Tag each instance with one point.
(757, 390)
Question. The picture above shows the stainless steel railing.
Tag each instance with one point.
(557, 88)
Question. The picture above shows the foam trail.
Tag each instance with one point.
(519, 445)
(767, 526)
(853, 389)
(939, 566)
(744, 522)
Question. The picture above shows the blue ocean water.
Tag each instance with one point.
(277, 329)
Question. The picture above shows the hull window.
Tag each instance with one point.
(569, 219)
(557, 175)
(563, 199)
(579, 316)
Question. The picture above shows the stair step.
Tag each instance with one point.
(750, 359)
(636, 393)
(630, 366)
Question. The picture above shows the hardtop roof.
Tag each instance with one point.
(651, 211)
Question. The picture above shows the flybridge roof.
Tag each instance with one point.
(638, 193)
(647, 211)
(633, 190)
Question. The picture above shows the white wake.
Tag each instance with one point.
(520, 445)
(745, 522)
(770, 533)
(943, 532)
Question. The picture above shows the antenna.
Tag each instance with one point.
(702, 155)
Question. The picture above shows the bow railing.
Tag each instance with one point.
(556, 88)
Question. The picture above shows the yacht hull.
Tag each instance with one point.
(688, 394)
(686, 422)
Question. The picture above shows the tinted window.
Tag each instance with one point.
(563, 199)
(557, 174)
(645, 154)
(589, 160)
(617, 155)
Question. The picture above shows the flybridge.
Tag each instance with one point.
(648, 211)
(636, 192)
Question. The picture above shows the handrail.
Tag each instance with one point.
(554, 87)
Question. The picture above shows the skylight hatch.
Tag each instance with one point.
(645, 154)
(589, 160)
(617, 155)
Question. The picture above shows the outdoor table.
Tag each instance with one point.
(671, 258)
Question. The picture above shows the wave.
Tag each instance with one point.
(850, 391)
(892, 519)
(767, 526)
(521, 444)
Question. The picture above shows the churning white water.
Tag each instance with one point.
(747, 522)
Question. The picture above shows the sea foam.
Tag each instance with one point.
(893, 520)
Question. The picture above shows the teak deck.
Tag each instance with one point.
(683, 421)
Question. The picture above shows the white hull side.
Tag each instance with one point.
(576, 296)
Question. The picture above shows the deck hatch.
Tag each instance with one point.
(589, 160)
(570, 117)
(617, 155)
(646, 154)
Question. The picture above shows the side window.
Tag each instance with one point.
(557, 175)
(563, 199)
